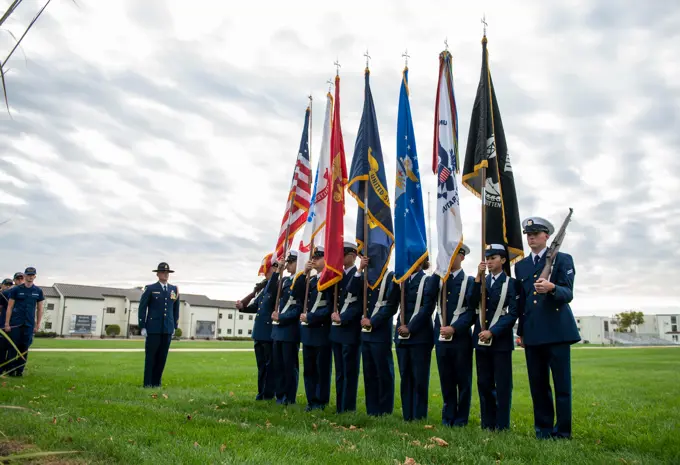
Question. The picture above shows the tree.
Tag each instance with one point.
(628, 321)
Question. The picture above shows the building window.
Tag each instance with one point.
(240, 317)
(240, 331)
(220, 316)
(110, 309)
(674, 328)
(229, 331)
(250, 317)
(50, 306)
(230, 316)
(577, 321)
(219, 330)
(674, 320)
(250, 331)
(675, 338)
(606, 326)
(48, 325)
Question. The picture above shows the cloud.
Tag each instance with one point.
(166, 131)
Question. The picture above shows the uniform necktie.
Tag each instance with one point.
(493, 280)
(165, 289)
(536, 259)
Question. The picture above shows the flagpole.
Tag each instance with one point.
(307, 274)
(366, 222)
(482, 307)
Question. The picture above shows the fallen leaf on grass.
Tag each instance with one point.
(73, 388)
(416, 443)
(165, 396)
(268, 424)
(154, 396)
(188, 417)
(428, 427)
(231, 393)
(54, 420)
(223, 447)
(440, 442)
(131, 441)
(410, 461)
(352, 427)
(598, 442)
(196, 444)
(314, 426)
(429, 446)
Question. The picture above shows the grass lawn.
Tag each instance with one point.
(57, 343)
(626, 410)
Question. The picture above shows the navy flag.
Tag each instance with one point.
(409, 216)
(367, 181)
(487, 149)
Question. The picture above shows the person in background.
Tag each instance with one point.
(6, 285)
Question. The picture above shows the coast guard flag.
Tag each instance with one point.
(368, 183)
(445, 166)
(487, 148)
(409, 216)
(334, 252)
(297, 205)
(316, 217)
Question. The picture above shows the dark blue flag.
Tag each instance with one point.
(409, 217)
(367, 182)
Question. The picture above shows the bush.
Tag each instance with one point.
(178, 332)
(46, 334)
(192, 338)
(112, 330)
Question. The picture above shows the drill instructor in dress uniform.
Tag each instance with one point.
(547, 330)
(158, 320)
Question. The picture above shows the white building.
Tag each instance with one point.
(595, 329)
(73, 310)
(656, 330)
(668, 327)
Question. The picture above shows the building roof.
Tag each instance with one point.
(49, 291)
(78, 291)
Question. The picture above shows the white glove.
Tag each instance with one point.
(144, 332)
(173, 332)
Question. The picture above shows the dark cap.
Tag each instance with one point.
(495, 249)
(537, 224)
(318, 252)
(292, 256)
(7, 282)
(18, 274)
(30, 270)
(162, 266)
(350, 247)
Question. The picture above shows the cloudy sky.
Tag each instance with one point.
(167, 130)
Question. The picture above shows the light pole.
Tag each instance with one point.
(191, 325)
(103, 312)
(127, 329)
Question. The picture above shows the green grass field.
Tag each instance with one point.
(626, 410)
(50, 343)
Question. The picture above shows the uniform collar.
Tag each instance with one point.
(540, 254)
(456, 273)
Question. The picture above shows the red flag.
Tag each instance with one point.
(265, 265)
(335, 204)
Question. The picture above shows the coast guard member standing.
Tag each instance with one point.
(286, 333)
(24, 314)
(158, 320)
(414, 341)
(314, 333)
(547, 330)
(453, 345)
(262, 307)
(345, 337)
(494, 362)
(376, 343)
(6, 285)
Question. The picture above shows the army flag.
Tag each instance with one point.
(316, 217)
(409, 216)
(297, 205)
(368, 185)
(487, 153)
(334, 236)
(445, 166)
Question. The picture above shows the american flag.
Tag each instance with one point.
(297, 206)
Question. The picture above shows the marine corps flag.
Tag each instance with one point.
(316, 217)
(487, 155)
(445, 165)
(409, 216)
(297, 205)
(335, 203)
(368, 186)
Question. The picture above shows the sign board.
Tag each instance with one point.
(205, 328)
(83, 324)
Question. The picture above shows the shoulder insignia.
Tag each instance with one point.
(570, 271)
(144, 289)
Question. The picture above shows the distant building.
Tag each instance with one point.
(656, 330)
(73, 310)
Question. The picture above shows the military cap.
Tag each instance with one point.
(7, 282)
(30, 270)
(318, 252)
(162, 266)
(349, 247)
(495, 249)
(292, 256)
(537, 224)
(464, 249)
(18, 275)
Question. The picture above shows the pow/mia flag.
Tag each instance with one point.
(487, 149)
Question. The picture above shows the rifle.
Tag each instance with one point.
(555, 247)
(258, 287)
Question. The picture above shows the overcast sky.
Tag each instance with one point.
(167, 130)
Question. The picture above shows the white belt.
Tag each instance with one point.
(350, 299)
(290, 302)
(318, 303)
